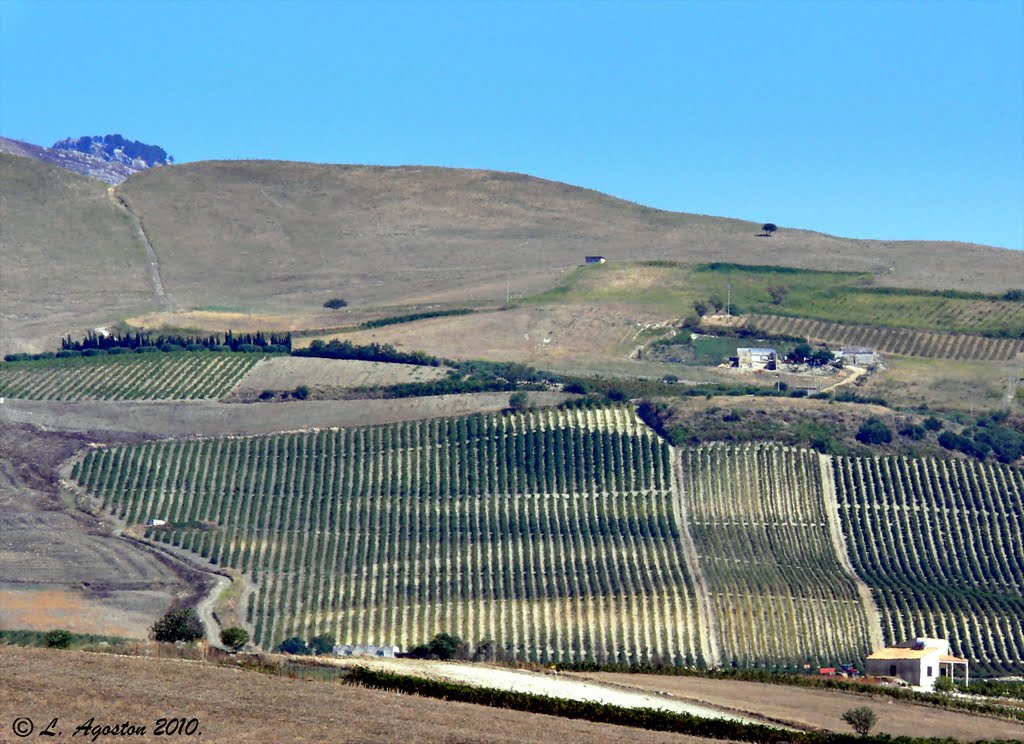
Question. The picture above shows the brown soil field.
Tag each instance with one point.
(208, 418)
(240, 706)
(821, 708)
(60, 567)
(532, 335)
(46, 609)
(286, 373)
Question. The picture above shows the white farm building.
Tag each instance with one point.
(863, 356)
(919, 662)
(361, 650)
(755, 358)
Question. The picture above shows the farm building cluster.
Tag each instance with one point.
(766, 358)
(348, 649)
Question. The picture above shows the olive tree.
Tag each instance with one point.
(861, 719)
(234, 638)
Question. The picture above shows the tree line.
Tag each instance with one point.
(215, 342)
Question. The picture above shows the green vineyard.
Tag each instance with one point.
(940, 543)
(551, 533)
(157, 376)
(579, 535)
(902, 341)
(759, 522)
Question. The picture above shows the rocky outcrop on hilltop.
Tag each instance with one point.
(108, 157)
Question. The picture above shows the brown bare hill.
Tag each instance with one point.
(279, 236)
(70, 258)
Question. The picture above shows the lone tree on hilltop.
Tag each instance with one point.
(768, 228)
(861, 719)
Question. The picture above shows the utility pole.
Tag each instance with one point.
(728, 305)
(508, 288)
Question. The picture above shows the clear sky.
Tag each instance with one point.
(863, 119)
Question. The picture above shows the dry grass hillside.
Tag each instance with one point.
(70, 258)
(280, 238)
(278, 235)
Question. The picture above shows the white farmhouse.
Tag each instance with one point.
(754, 358)
(347, 649)
(919, 662)
(862, 356)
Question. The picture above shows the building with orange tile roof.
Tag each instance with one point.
(920, 662)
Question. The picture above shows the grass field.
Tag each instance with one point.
(157, 376)
(946, 384)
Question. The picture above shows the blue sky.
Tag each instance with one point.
(873, 120)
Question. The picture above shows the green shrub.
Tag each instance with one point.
(861, 719)
(178, 625)
(295, 646)
(322, 644)
(234, 638)
(874, 431)
(58, 639)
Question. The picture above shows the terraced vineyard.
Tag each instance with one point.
(552, 533)
(759, 521)
(940, 544)
(904, 341)
(126, 376)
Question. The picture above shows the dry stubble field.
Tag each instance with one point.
(238, 706)
(284, 373)
(820, 708)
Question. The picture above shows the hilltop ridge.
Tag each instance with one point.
(110, 157)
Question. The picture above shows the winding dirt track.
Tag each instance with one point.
(120, 201)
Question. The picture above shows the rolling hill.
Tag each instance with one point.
(279, 237)
(70, 258)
